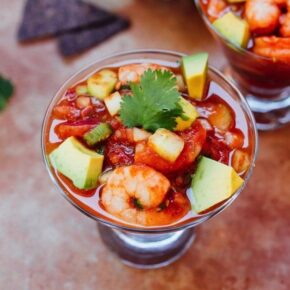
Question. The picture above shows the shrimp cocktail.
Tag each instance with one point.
(149, 144)
(255, 37)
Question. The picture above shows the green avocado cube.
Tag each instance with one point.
(81, 165)
(194, 69)
(212, 183)
(189, 111)
(102, 83)
(233, 28)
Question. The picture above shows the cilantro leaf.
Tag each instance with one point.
(154, 102)
(6, 91)
(163, 119)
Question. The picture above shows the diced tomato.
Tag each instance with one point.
(194, 138)
(71, 94)
(216, 149)
(66, 102)
(219, 114)
(65, 112)
(234, 138)
(99, 105)
(88, 112)
(115, 123)
(77, 129)
(96, 110)
(119, 154)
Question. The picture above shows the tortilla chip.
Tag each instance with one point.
(43, 18)
(77, 41)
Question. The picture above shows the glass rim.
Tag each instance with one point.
(223, 38)
(159, 229)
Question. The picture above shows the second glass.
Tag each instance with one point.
(264, 82)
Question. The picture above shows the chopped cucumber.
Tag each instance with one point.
(98, 134)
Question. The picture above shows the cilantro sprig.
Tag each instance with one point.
(153, 103)
(6, 91)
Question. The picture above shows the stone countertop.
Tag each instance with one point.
(47, 244)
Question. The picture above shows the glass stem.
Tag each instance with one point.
(147, 250)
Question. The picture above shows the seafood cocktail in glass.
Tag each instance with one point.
(149, 144)
(255, 38)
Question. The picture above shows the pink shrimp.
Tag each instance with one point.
(262, 16)
(133, 72)
(135, 194)
(276, 48)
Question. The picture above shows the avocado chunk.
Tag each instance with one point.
(212, 183)
(102, 83)
(81, 165)
(98, 134)
(189, 111)
(194, 69)
(233, 28)
(166, 144)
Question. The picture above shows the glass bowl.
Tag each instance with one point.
(264, 83)
(148, 247)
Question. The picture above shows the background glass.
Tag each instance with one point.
(266, 84)
(158, 246)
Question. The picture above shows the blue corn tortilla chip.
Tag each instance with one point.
(77, 41)
(43, 18)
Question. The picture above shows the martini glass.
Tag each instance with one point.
(264, 82)
(148, 247)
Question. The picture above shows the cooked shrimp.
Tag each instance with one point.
(134, 194)
(262, 16)
(133, 72)
(276, 48)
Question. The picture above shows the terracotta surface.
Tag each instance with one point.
(48, 244)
